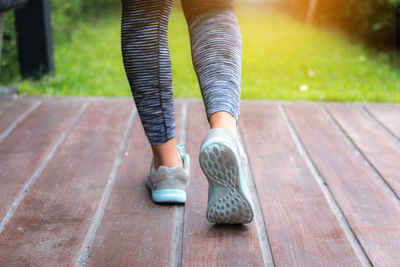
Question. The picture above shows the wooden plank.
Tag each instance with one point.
(27, 146)
(302, 228)
(206, 244)
(375, 144)
(135, 231)
(388, 115)
(11, 109)
(371, 213)
(54, 217)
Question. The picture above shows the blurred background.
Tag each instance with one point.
(340, 50)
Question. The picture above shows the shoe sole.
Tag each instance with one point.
(166, 195)
(229, 200)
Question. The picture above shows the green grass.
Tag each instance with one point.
(280, 56)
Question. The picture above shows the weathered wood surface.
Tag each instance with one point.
(373, 142)
(206, 244)
(53, 218)
(295, 210)
(27, 146)
(72, 186)
(372, 214)
(388, 115)
(12, 109)
(136, 237)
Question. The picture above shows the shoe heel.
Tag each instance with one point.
(227, 201)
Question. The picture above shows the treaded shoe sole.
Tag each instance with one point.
(166, 195)
(228, 202)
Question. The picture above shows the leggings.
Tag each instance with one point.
(216, 47)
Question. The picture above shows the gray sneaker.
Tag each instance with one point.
(168, 185)
(224, 163)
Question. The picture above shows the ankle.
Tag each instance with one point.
(167, 154)
(169, 161)
(222, 119)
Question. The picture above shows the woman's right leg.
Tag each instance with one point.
(216, 46)
(144, 42)
(216, 53)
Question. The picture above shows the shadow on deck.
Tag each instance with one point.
(325, 180)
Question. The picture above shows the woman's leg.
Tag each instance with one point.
(144, 42)
(216, 53)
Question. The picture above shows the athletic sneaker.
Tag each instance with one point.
(224, 163)
(168, 185)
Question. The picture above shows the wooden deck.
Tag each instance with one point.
(325, 180)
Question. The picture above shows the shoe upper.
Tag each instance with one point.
(229, 137)
(232, 140)
(170, 178)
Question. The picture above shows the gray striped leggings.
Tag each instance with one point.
(216, 47)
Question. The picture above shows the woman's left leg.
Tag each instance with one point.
(144, 41)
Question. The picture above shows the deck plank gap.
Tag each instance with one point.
(180, 209)
(392, 135)
(263, 238)
(17, 201)
(21, 118)
(378, 176)
(352, 238)
(84, 253)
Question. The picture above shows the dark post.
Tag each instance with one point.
(1, 32)
(398, 35)
(35, 45)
